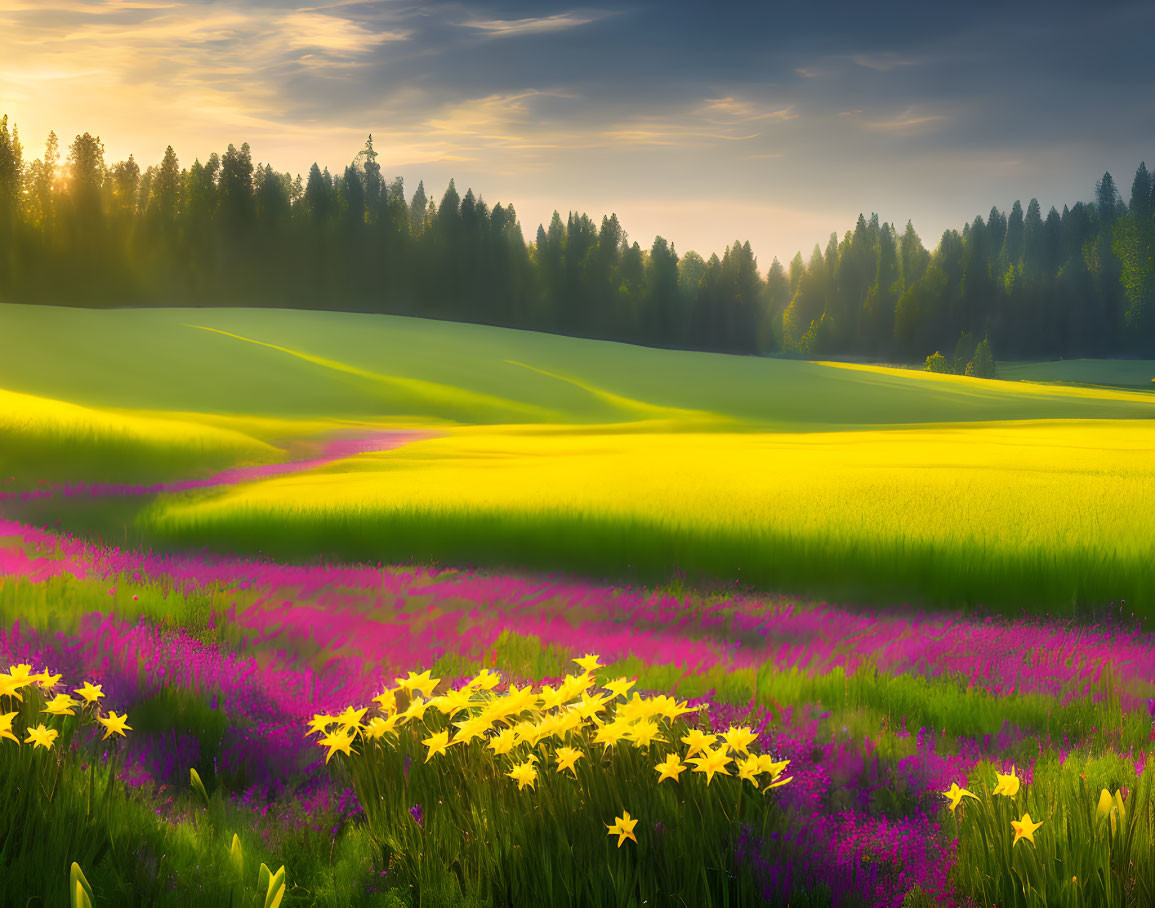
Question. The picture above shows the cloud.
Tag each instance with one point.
(530, 26)
(884, 62)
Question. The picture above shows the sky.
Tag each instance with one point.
(775, 123)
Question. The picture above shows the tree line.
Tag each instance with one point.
(76, 229)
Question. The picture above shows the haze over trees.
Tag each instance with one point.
(76, 229)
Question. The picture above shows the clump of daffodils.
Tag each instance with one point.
(558, 731)
(36, 708)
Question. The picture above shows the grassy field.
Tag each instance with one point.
(611, 460)
(1119, 373)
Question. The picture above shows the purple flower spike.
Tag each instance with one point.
(418, 815)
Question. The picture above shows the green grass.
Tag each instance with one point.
(377, 367)
(1118, 373)
(620, 462)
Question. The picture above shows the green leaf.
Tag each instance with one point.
(264, 878)
(78, 888)
(198, 786)
(276, 890)
(237, 856)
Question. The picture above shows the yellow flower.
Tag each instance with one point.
(1025, 829)
(472, 727)
(549, 698)
(591, 706)
(416, 709)
(589, 662)
(1007, 785)
(378, 727)
(6, 726)
(484, 680)
(41, 736)
(319, 723)
(766, 764)
(611, 733)
(739, 739)
(566, 757)
(1107, 804)
(114, 725)
(956, 794)
(619, 686)
(437, 744)
(387, 700)
(524, 774)
(453, 701)
(21, 673)
(623, 828)
(574, 685)
(697, 741)
(61, 705)
(644, 733)
(503, 741)
(9, 686)
(748, 769)
(518, 700)
(711, 761)
(351, 718)
(340, 740)
(422, 684)
(47, 681)
(90, 692)
(670, 768)
(671, 708)
(639, 708)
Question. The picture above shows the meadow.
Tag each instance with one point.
(304, 608)
(623, 463)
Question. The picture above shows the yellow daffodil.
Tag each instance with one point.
(415, 711)
(670, 768)
(524, 774)
(22, 673)
(378, 727)
(639, 708)
(766, 764)
(566, 757)
(589, 706)
(472, 727)
(748, 769)
(619, 686)
(422, 684)
(483, 680)
(623, 828)
(437, 743)
(61, 705)
(351, 718)
(711, 761)
(550, 698)
(387, 700)
(114, 725)
(452, 701)
(518, 700)
(955, 795)
(90, 692)
(1025, 829)
(572, 685)
(41, 736)
(610, 733)
(319, 723)
(503, 742)
(47, 681)
(739, 738)
(697, 741)
(10, 687)
(589, 662)
(1008, 785)
(644, 733)
(340, 740)
(6, 727)
(671, 709)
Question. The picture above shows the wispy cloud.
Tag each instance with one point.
(533, 25)
(883, 62)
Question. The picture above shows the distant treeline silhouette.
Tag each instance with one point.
(80, 231)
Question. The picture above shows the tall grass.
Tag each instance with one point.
(44, 438)
(1049, 517)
